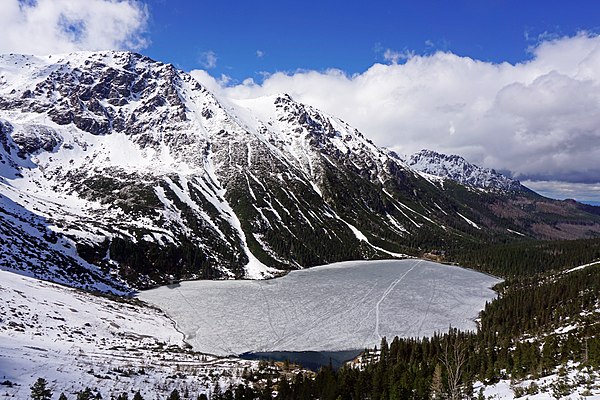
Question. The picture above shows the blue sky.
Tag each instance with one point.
(248, 38)
(509, 85)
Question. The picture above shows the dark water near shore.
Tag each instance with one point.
(312, 360)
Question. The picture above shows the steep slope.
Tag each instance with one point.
(109, 141)
(150, 178)
(154, 179)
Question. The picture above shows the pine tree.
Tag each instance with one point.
(40, 391)
(62, 397)
(217, 393)
(85, 394)
(174, 395)
(283, 390)
(137, 396)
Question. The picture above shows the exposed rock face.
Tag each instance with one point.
(126, 167)
(460, 170)
(35, 138)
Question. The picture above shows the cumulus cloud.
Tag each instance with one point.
(58, 26)
(539, 119)
(208, 59)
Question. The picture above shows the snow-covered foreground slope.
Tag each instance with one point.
(74, 339)
(342, 306)
(584, 383)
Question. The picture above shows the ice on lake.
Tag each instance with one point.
(341, 306)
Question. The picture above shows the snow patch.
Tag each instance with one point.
(473, 224)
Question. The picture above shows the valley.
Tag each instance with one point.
(151, 231)
(131, 174)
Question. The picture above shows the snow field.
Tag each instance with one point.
(76, 340)
(341, 306)
(583, 383)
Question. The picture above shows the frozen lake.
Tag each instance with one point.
(342, 306)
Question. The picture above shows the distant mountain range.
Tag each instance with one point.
(592, 203)
(120, 172)
(461, 171)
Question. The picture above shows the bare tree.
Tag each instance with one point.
(437, 384)
(454, 356)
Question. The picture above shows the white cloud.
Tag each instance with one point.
(208, 59)
(394, 56)
(260, 53)
(566, 190)
(539, 119)
(58, 26)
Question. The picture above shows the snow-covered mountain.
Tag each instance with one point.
(116, 169)
(460, 170)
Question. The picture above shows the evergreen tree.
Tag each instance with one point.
(85, 394)
(40, 390)
(62, 397)
(174, 395)
(138, 396)
(217, 393)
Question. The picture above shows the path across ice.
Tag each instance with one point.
(341, 306)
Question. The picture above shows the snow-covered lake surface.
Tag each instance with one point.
(342, 306)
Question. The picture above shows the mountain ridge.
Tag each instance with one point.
(458, 169)
(151, 178)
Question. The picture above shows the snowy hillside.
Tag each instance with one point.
(76, 340)
(145, 173)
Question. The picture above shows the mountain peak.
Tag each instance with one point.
(458, 169)
(283, 97)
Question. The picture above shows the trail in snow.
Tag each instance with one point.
(269, 318)
(385, 294)
(429, 303)
(326, 308)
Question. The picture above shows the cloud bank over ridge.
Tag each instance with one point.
(539, 119)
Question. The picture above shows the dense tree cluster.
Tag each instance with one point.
(526, 258)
